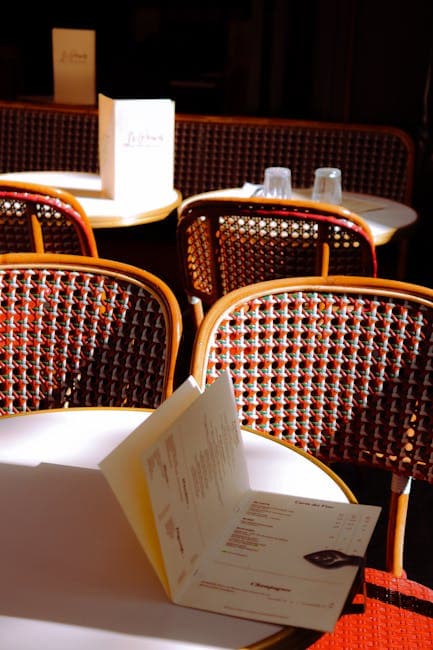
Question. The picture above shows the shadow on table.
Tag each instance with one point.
(69, 556)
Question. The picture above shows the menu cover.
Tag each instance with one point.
(182, 480)
(136, 149)
(74, 56)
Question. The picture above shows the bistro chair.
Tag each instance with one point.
(228, 243)
(39, 218)
(342, 368)
(84, 331)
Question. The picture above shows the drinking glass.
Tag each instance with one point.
(277, 183)
(327, 185)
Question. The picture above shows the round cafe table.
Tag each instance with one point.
(73, 572)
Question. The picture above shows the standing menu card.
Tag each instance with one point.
(181, 478)
(74, 54)
(136, 149)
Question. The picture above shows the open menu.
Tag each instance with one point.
(182, 480)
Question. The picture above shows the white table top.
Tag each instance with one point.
(384, 217)
(73, 572)
(103, 212)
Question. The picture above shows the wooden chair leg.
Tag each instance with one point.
(400, 490)
(197, 309)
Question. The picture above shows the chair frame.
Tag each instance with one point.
(326, 230)
(234, 301)
(123, 278)
(62, 202)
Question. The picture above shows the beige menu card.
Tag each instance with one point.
(74, 66)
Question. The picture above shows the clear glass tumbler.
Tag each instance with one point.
(327, 185)
(277, 183)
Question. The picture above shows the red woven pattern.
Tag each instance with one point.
(77, 338)
(398, 616)
(225, 245)
(338, 374)
(62, 228)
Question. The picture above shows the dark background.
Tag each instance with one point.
(343, 60)
(366, 61)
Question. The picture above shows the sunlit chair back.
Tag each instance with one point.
(84, 331)
(39, 218)
(226, 243)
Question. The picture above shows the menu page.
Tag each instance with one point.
(196, 474)
(124, 472)
(285, 560)
(229, 549)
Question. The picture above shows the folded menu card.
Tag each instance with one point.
(74, 66)
(136, 149)
(182, 480)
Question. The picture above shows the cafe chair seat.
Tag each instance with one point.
(43, 219)
(80, 331)
(398, 615)
(341, 367)
(226, 243)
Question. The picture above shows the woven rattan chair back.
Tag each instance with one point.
(228, 243)
(83, 331)
(341, 367)
(37, 218)
(374, 159)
